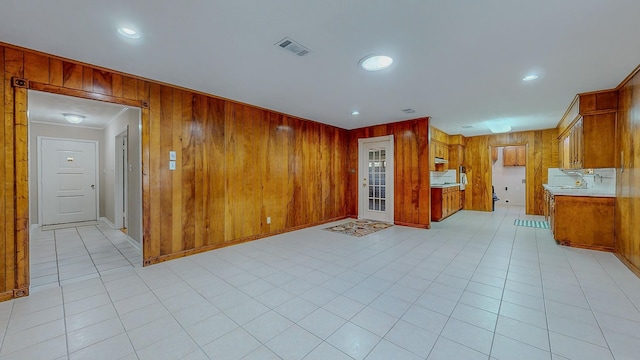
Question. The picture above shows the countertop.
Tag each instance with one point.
(440, 186)
(555, 190)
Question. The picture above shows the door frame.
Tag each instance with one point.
(39, 176)
(362, 172)
(526, 172)
(121, 179)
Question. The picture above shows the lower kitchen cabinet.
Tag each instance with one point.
(444, 202)
(583, 221)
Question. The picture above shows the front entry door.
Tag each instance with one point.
(375, 196)
(67, 179)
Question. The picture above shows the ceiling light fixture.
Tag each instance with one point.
(74, 118)
(355, 113)
(128, 32)
(375, 62)
(499, 126)
(530, 78)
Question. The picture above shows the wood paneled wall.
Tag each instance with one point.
(542, 154)
(237, 164)
(627, 212)
(412, 195)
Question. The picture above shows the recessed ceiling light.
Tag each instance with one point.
(530, 78)
(375, 62)
(355, 113)
(128, 32)
(74, 118)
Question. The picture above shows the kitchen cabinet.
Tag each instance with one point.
(461, 206)
(588, 141)
(445, 201)
(514, 155)
(582, 221)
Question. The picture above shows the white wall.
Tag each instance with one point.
(509, 177)
(55, 131)
(130, 119)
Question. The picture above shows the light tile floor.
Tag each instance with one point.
(473, 287)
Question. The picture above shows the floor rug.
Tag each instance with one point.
(360, 227)
(532, 223)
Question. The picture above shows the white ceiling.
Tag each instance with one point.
(459, 61)
(49, 108)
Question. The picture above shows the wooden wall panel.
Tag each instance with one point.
(237, 164)
(6, 283)
(542, 153)
(627, 211)
(412, 198)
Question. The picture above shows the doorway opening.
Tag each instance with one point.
(121, 175)
(509, 175)
(376, 178)
(114, 130)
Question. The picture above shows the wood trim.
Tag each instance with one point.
(84, 94)
(575, 99)
(596, 92)
(588, 247)
(634, 269)
(419, 226)
(628, 78)
(21, 144)
(181, 254)
(5, 296)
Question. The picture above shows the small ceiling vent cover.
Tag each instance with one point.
(408, 111)
(293, 47)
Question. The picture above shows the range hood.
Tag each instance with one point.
(441, 161)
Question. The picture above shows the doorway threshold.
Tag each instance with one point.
(68, 225)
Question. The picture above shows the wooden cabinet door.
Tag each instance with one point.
(521, 155)
(509, 156)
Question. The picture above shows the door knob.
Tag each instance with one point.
(93, 186)
(364, 184)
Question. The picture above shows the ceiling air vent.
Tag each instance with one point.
(293, 47)
(408, 111)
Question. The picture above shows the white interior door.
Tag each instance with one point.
(67, 179)
(376, 178)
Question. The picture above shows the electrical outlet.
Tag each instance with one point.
(172, 165)
(268, 219)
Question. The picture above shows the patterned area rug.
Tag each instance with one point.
(532, 223)
(360, 227)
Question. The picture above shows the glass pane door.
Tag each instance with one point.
(377, 180)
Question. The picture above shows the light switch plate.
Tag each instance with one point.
(172, 155)
(172, 165)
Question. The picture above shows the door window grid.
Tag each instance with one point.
(377, 180)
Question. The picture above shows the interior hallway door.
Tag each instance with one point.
(67, 179)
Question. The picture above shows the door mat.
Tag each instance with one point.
(532, 223)
(360, 227)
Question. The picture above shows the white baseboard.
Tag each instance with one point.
(108, 222)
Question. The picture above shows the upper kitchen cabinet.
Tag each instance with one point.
(514, 155)
(439, 147)
(587, 131)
